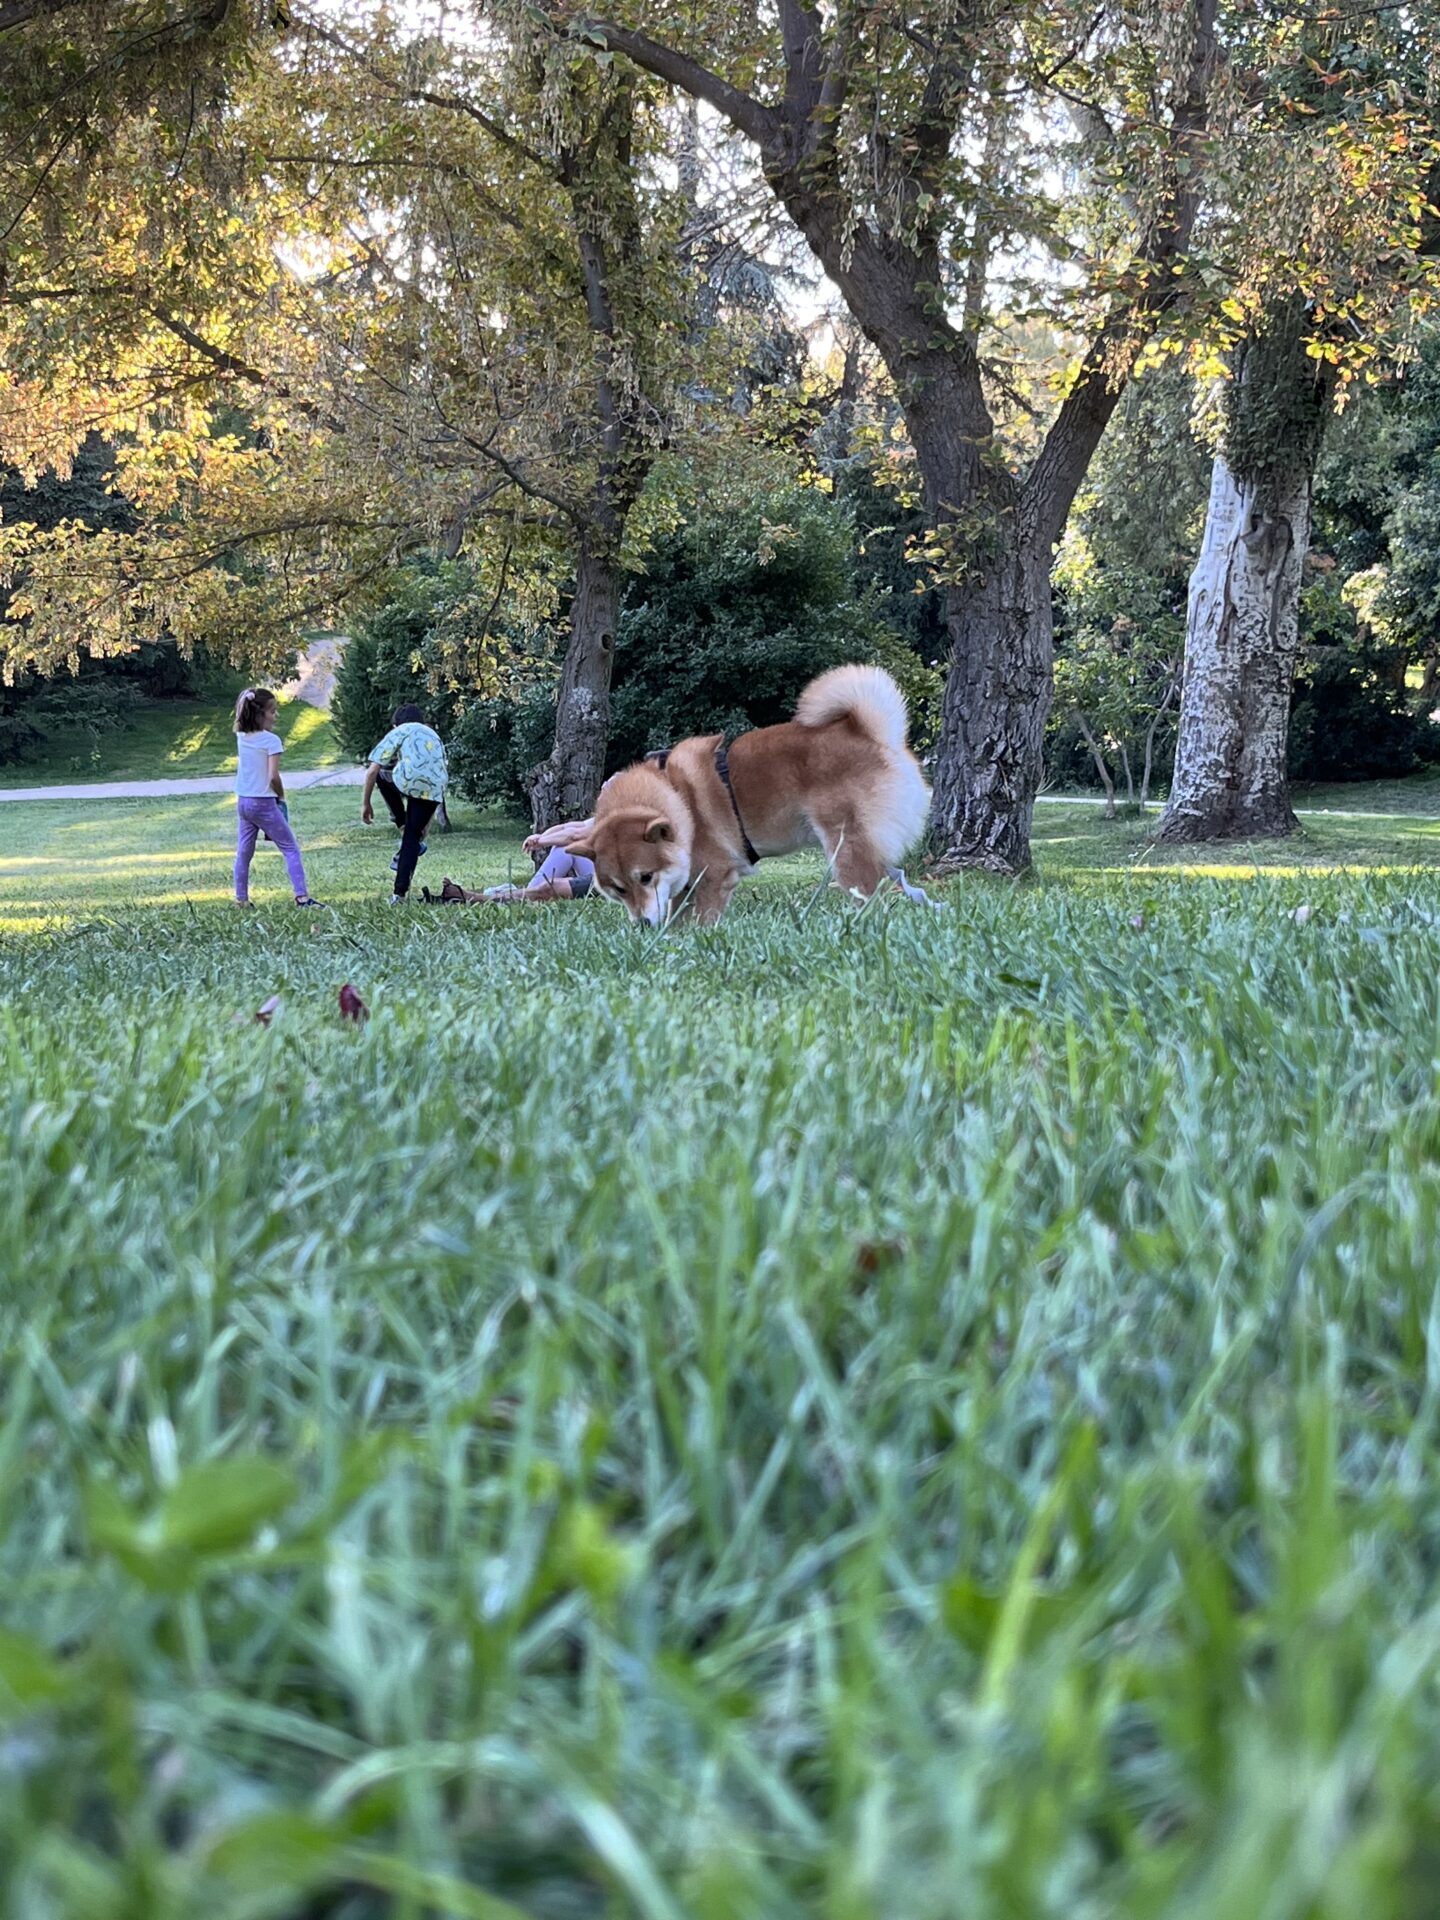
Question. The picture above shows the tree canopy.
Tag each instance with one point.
(338, 283)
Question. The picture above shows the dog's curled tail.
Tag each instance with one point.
(866, 695)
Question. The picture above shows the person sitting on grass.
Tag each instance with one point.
(561, 876)
(260, 794)
(411, 761)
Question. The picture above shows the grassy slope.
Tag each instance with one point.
(173, 740)
(867, 1415)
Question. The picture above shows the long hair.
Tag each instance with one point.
(249, 707)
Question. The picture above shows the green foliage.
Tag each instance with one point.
(1117, 664)
(1120, 586)
(887, 534)
(1372, 608)
(737, 608)
(1274, 409)
(436, 640)
(1384, 496)
(884, 1412)
(93, 698)
(87, 496)
(746, 603)
(388, 660)
(84, 712)
(1352, 719)
(494, 744)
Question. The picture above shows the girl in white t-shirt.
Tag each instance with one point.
(260, 792)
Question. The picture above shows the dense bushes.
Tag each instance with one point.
(494, 743)
(735, 611)
(388, 661)
(1350, 721)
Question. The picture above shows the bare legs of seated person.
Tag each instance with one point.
(560, 876)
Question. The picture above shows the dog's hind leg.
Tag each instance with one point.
(856, 865)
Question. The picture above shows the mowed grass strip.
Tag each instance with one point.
(851, 1413)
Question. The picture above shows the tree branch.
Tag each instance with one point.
(744, 112)
(427, 96)
(801, 35)
(253, 376)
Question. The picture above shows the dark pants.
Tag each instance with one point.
(395, 801)
(414, 816)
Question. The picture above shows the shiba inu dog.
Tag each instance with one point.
(688, 823)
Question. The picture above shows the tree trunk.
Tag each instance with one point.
(1129, 776)
(989, 757)
(1100, 767)
(1241, 642)
(564, 786)
(889, 266)
(1242, 634)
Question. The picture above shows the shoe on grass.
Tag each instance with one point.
(309, 901)
(395, 863)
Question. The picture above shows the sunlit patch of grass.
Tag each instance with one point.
(175, 739)
(302, 724)
(1228, 870)
(195, 740)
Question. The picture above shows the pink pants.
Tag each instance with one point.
(263, 815)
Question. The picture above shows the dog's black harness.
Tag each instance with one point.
(722, 767)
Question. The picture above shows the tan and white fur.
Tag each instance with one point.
(840, 772)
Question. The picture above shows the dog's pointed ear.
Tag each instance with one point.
(659, 829)
(582, 849)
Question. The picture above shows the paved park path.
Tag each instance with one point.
(180, 789)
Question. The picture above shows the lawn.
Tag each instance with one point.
(173, 740)
(883, 1416)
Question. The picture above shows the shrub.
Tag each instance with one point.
(1350, 721)
(736, 612)
(494, 743)
(386, 663)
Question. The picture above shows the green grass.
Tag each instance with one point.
(848, 1414)
(174, 740)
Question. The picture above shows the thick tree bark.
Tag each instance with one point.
(564, 786)
(997, 696)
(1241, 644)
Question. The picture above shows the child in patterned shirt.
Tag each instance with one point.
(412, 757)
